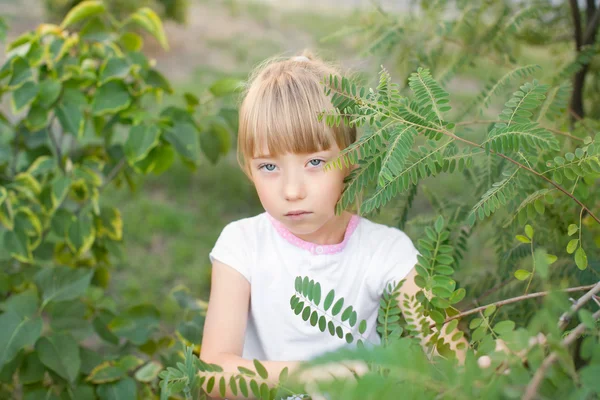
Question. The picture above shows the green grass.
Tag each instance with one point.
(170, 227)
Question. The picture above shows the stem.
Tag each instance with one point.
(541, 372)
(452, 135)
(57, 147)
(532, 272)
(515, 300)
(564, 319)
(111, 175)
(491, 121)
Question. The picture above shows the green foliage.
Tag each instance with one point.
(87, 115)
(176, 10)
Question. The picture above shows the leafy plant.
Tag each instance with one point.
(87, 114)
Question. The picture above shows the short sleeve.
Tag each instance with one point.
(229, 249)
(396, 261)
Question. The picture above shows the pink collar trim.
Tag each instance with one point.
(315, 248)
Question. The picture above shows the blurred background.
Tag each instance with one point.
(172, 221)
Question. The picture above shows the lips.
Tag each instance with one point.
(297, 212)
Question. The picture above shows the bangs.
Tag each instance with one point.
(281, 115)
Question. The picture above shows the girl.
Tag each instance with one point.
(282, 148)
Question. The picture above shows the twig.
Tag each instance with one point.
(515, 300)
(591, 29)
(564, 319)
(485, 121)
(56, 145)
(541, 372)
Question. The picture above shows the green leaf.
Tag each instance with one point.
(31, 370)
(63, 283)
(283, 375)
(81, 234)
(82, 11)
(581, 259)
(573, 229)
(523, 239)
(17, 332)
(110, 98)
(226, 86)
(106, 372)
(489, 310)
(439, 224)
(24, 95)
(362, 327)
(572, 246)
(457, 296)
(260, 369)
(148, 372)
(120, 390)
(147, 19)
(184, 137)
(60, 353)
(136, 324)
(71, 118)
(222, 386)
(529, 231)
(522, 274)
(141, 139)
(49, 92)
(329, 300)
(589, 377)
(504, 327)
(317, 294)
(21, 73)
(114, 68)
(337, 306)
(586, 317)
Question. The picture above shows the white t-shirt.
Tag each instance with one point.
(270, 258)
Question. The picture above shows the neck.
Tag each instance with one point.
(332, 232)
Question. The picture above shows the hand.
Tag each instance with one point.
(324, 373)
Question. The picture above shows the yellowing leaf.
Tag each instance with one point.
(522, 274)
(82, 11)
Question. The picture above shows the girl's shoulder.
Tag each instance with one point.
(382, 234)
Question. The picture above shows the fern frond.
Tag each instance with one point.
(493, 88)
(399, 148)
(410, 113)
(498, 195)
(425, 162)
(518, 108)
(357, 180)
(367, 145)
(429, 93)
(557, 102)
(583, 58)
(389, 315)
(528, 136)
(584, 161)
(530, 199)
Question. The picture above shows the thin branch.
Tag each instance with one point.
(576, 22)
(452, 135)
(564, 319)
(515, 300)
(482, 121)
(592, 28)
(541, 372)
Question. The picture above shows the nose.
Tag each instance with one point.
(294, 187)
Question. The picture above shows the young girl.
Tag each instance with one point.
(283, 148)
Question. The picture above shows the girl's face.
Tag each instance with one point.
(296, 190)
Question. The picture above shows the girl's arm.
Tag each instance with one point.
(410, 288)
(225, 325)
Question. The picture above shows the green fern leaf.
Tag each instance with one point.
(519, 107)
(399, 148)
(429, 93)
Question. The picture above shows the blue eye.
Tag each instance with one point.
(318, 162)
(269, 167)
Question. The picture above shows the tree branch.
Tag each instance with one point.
(576, 22)
(564, 319)
(592, 25)
(541, 372)
(517, 299)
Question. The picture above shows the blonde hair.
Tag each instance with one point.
(280, 109)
